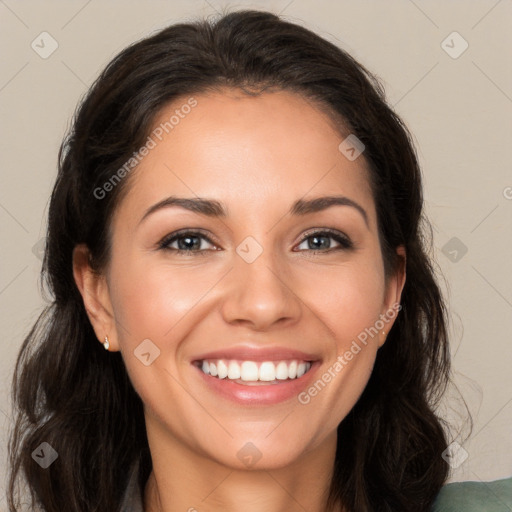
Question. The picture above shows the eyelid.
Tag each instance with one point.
(345, 242)
(330, 231)
(186, 231)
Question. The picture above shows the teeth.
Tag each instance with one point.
(222, 370)
(233, 370)
(292, 369)
(282, 371)
(267, 371)
(250, 371)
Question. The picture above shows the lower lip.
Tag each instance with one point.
(261, 394)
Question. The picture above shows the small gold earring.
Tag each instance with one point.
(384, 332)
(106, 344)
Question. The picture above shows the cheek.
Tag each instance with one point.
(150, 299)
(155, 302)
(347, 299)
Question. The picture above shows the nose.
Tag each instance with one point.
(260, 294)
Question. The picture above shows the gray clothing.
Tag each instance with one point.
(132, 499)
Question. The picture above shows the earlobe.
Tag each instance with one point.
(401, 273)
(94, 290)
(382, 338)
(396, 282)
(394, 293)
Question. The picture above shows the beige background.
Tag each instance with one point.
(459, 110)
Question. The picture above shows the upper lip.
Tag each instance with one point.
(252, 353)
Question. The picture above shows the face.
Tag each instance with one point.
(268, 289)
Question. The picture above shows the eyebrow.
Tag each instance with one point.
(214, 208)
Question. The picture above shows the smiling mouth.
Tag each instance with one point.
(252, 373)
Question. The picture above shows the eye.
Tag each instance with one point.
(319, 238)
(188, 242)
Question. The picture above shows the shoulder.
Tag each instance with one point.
(495, 496)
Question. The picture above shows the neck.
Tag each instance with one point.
(183, 480)
(234, 494)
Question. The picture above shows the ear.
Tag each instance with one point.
(393, 295)
(95, 294)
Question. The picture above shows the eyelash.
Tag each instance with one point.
(344, 241)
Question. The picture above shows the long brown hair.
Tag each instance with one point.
(72, 394)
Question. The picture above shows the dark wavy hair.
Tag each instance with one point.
(68, 391)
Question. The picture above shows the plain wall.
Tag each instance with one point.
(459, 110)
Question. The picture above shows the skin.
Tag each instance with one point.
(257, 155)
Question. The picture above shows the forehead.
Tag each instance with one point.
(249, 152)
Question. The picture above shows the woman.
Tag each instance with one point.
(248, 367)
